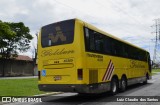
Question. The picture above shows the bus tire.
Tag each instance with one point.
(146, 79)
(114, 86)
(123, 84)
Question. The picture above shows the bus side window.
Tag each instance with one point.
(91, 40)
(99, 43)
(131, 52)
(149, 62)
(87, 43)
(107, 45)
(126, 51)
(119, 48)
(113, 49)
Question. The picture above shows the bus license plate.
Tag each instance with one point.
(57, 77)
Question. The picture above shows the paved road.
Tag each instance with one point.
(150, 89)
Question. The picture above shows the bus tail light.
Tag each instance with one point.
(80, 74)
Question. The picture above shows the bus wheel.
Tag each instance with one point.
(123, 84)
(114, 86)
(146, 79)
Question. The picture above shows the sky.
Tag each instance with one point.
(130, 20)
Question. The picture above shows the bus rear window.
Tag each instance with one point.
(58, 33)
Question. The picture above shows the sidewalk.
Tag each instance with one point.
(22, 77)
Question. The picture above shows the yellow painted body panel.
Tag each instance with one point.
(132, 68)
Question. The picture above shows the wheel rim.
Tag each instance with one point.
(114, 88)
(123, 84)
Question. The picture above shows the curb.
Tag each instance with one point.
(47, 94)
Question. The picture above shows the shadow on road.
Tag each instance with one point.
(135, 87)
(104, 97)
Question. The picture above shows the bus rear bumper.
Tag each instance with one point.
(80, 88)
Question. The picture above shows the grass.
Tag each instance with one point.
(19, 87)
(155, 71)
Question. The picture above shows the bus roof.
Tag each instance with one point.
(105, 33)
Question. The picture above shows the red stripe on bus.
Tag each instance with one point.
(111, 68)
(107, 70)
(110, 75)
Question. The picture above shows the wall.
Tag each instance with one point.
(17, 68)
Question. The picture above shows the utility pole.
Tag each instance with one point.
(155, 48)
(157, 39)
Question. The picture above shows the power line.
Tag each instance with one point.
(115, 3)
(135, 20)
(123, 10)
(87, 14)
(97, 3)
(74, 9)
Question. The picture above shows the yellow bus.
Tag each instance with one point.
(74, 56)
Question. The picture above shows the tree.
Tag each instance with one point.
(14, 38)
(5, 35)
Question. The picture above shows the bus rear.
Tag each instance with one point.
(60, 56)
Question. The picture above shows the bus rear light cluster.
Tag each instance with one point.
(80, 74)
